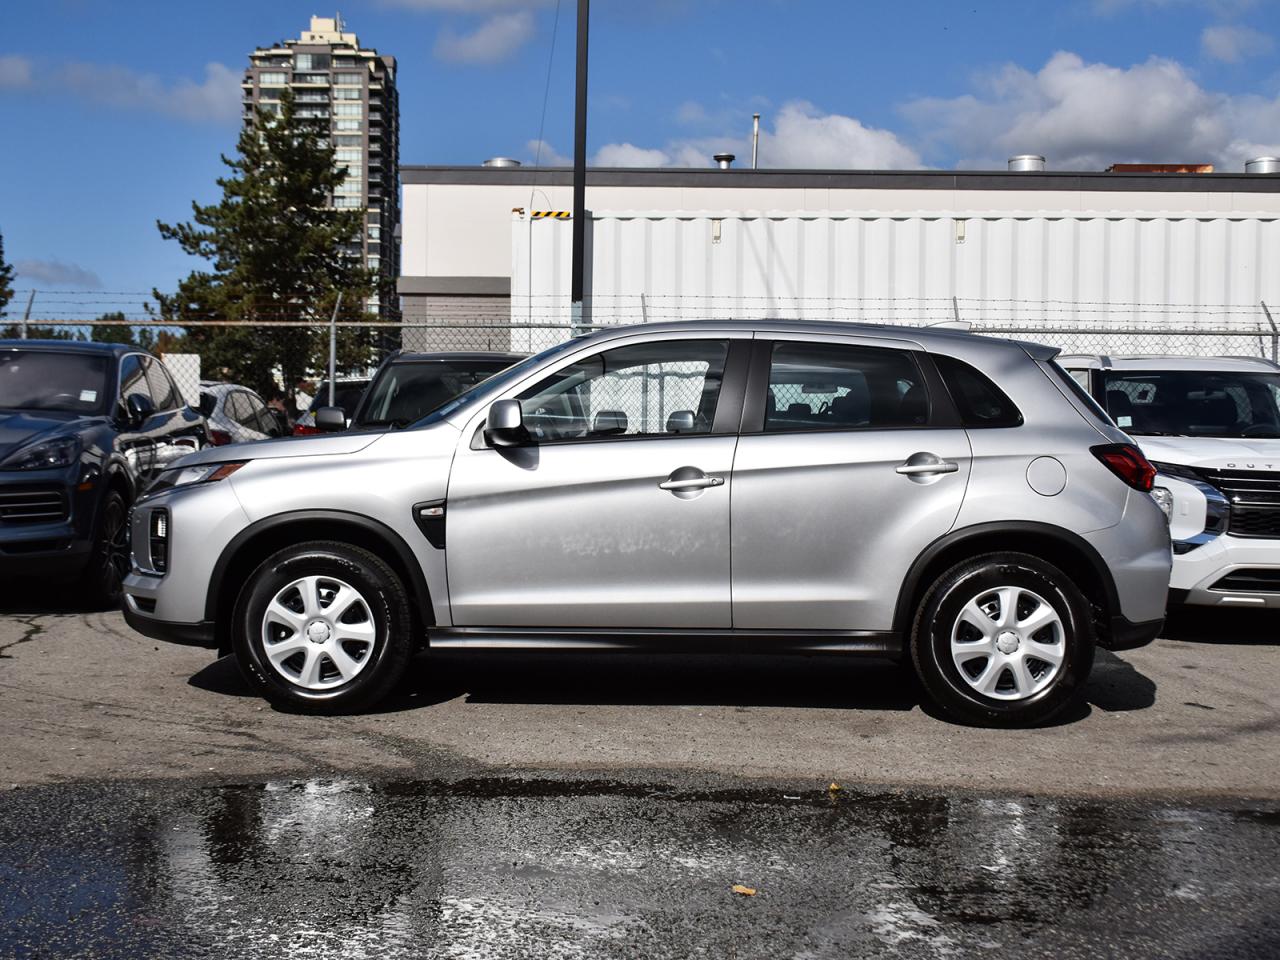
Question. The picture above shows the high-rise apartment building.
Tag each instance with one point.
(336, 81)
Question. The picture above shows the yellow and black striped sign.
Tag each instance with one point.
(550, 215)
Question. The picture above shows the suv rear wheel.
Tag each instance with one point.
(323, 627)
(1003, 639)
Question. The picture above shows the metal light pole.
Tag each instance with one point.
(333, 348)
(26, 315)
(580, 167)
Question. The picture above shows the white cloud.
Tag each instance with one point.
(691, 112)
(548, 156)
(15, 71)
(802, 136)
(216, 98)
(1231, 44)
(494, 40)
(629, 155)
(55, 273)
(1086, 116)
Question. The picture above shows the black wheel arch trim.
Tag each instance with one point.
(418, 587)
(118, 467)
(911, 586)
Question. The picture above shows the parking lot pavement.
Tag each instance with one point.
(83, 696)
(571, 867)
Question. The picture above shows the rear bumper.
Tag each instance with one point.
(1127, 635)
(200, 634)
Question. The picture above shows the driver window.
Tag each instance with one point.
(651, 389)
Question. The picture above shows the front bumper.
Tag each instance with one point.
(1196, 572)
(57, 546)
(200, 634)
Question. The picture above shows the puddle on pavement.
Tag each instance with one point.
(497, 867)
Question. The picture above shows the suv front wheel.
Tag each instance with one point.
(1003, 639)
(323, 627)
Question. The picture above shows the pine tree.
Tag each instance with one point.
(275, 249)
(6, 279)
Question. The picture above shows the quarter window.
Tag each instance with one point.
(821, 386)
(651, 389)
(981, 402)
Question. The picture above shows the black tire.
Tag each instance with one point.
(387, 606)
(100, 582)
(975, 579)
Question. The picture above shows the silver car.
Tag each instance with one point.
(885, 491)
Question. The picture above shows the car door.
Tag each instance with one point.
(616, 514)
(851, 461)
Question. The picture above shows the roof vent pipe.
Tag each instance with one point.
(1026, 163)
(501, 162)
(1263, 165)
(724, 160)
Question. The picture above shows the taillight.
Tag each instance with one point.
(302, 430)
(1127, 462)
(219, 438)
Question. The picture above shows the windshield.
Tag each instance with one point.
(405, 392)
(1194, 403)
(495, 383)
(45, 380)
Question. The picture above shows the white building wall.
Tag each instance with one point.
(464, 229)
(1027, 269)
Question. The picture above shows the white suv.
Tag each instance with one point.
(1212, 429)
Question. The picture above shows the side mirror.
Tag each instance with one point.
(504, 426)
(682, 421)
(138, 409)
(331, 420)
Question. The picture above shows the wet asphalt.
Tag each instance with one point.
(566, 867)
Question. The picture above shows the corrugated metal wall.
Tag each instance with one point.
(1035, 269)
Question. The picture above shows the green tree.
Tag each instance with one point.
(275, 252)
(121, 332)
(6, 279)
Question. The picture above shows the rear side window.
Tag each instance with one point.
(980, 402)
(824, 386)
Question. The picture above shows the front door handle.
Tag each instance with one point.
(926, 464)
(694, 483)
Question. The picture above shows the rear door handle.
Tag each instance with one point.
(917, 465)
(696, 483)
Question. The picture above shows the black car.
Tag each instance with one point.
(84, 428)
(410, 385)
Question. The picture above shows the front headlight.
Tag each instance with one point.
(200, 473)
(43, 456)
(1163, 497)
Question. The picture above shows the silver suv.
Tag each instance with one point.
(740, 485)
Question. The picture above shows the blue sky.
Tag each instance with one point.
(116, 113)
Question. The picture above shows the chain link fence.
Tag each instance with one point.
(290, 361)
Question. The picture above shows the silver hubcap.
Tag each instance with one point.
(318, 633)
(1008, 643)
